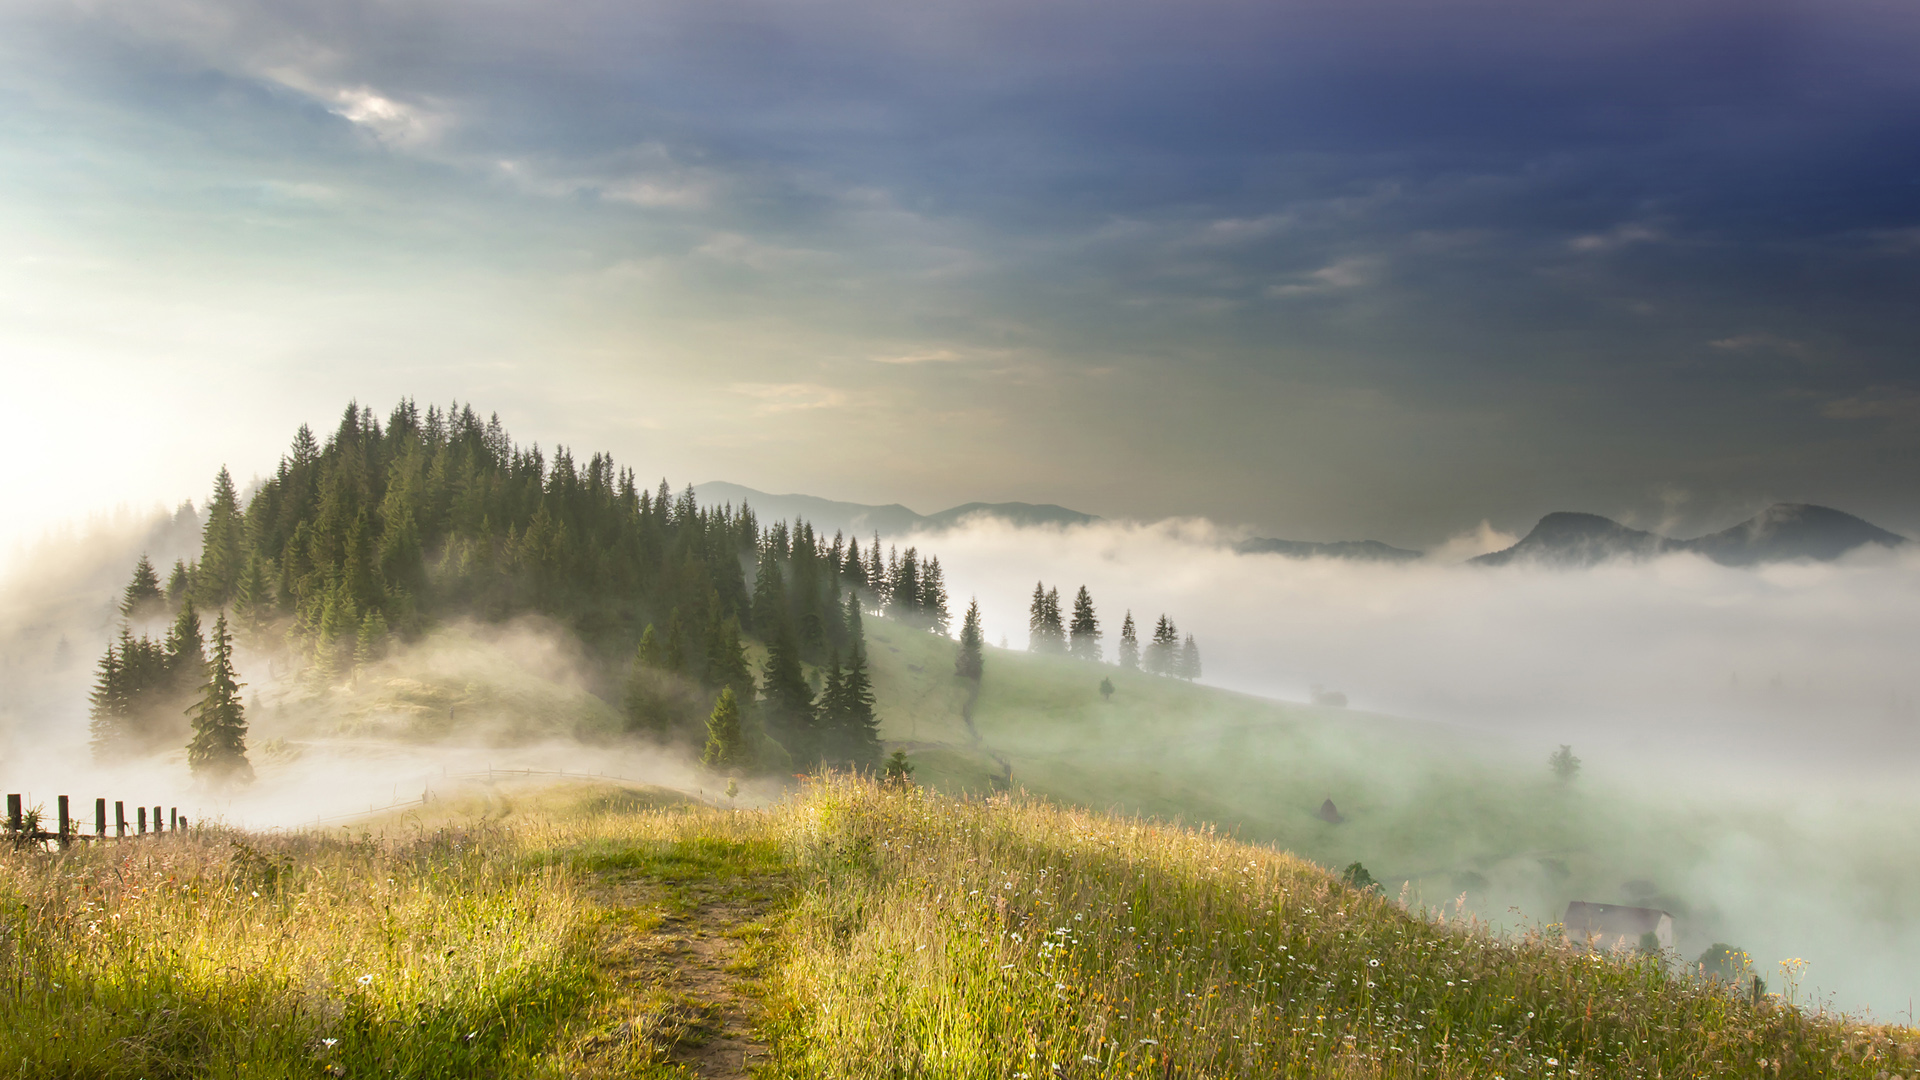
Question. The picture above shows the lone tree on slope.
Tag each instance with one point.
(1565, 766)
(970, 662)
(218, 751)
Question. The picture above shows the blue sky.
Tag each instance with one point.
(1326, 269)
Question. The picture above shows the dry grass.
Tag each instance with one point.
(1009, 938)
(890, 933)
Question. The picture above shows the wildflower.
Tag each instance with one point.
(1555, 1062)
(367, 980)
(329, 1043)
(1373, 963)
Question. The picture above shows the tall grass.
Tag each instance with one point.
(912, 935)
(217, 953)
(1008, 938)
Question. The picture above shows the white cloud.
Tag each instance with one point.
(1341, 274)
(1613, 239)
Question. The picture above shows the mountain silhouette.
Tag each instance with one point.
(1782, 533)
(892, 519)
(1371, 550)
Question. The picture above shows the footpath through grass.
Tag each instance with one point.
(850, 932)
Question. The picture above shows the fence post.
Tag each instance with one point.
(66, 826)
(183, 823)
(173, 819)
(13, 812)
(119, 818)
(156, 821)
(142, 830)
(99, 817)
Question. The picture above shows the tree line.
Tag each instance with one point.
(369, 535)
(1049, 630)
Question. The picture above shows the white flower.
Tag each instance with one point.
(1555, 1062)
(329, 1043)
(365, 980)
(1373, 963)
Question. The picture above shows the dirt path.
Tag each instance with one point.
(678, 962)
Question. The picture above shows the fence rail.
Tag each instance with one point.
(28, 827)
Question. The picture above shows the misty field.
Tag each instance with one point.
(864, 931)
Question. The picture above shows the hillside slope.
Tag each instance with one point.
(854, 931)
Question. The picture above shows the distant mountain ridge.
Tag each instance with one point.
(1783, 532)
(1370, 550)
(892, 519)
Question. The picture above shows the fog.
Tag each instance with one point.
(1748, 734)
(1806, 665)
(389, 737)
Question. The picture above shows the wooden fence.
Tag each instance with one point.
(28, 828)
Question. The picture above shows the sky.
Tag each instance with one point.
(1374, 268)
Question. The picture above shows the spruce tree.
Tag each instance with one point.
(831, 715)
(933, 596)
(1085, 629)
(673, 651)
(222, 546)
(970, 661)
(253, 595)
(859, 726)
(142, 598)
(726, 736)
(107, 714)
(217, 753)
(789, 699)
(1037, 619)
(876, 573)
(1129, 644)
(1190, 660)
(903, 590)
(1163, 650)
(179, 583)
(727, 658)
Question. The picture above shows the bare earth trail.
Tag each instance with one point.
(679, 958)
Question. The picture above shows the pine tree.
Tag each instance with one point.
(107, 715)
(253, 595)
(673, 651)
(218, 751)
(1129, 644)
(789, 699)
(222, 546)
(860, 728)
(186, 655)
(903, 589)
(832, 715)
(933, 596)
(1044, 630)
(1162, 651)
(726, 737)
(877, 574)
(1190, 660)
(971, 661)
(1045, 633)
(370, 644)
(179, 583)
(727, 658)
(142, 598)
(1085, 641)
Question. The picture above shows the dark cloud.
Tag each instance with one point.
(1496, 222)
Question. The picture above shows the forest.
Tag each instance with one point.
(364, 540)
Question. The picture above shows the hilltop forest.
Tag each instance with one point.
(369, 537)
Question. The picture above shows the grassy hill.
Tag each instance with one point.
(591, 930)
(1443, 814)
